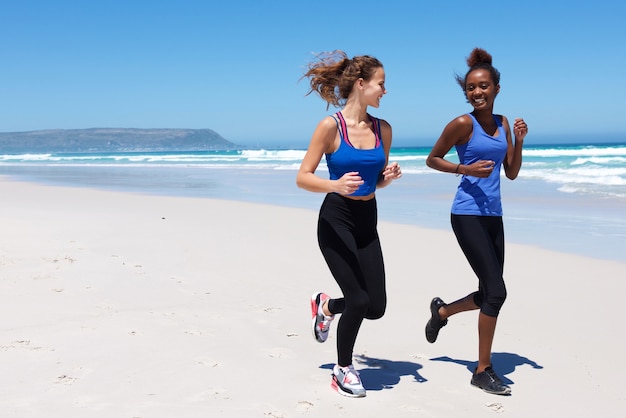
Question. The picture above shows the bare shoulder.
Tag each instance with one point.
(463, 121)
(459, 130)
(504, 122)
(385, 133)
(327, 124)
(326, 129)
(324, 136)
(384, 125)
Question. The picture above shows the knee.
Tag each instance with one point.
(376, 309)
(375, 313)
(359, 303)
(494, 303)
(368, 307)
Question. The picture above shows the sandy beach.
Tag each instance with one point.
(125, 305)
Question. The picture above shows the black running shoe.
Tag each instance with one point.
(490, 382)
(435, 323)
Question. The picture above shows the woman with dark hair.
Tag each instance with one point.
(356, 146)
(483, 144)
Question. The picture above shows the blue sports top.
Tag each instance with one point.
(369, 163)
(475, 195)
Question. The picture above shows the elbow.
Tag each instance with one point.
(511, 175)
(434, 161)
(301, 181)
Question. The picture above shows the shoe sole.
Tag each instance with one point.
(426, 332)
(314, 305)
(505, 392)
(337, 387)
(432, 315)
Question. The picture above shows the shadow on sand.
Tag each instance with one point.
(383, 374)
(503, 364)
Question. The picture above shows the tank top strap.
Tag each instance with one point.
(335, 118)
(376, 125)
(343, 128)
(477, 125)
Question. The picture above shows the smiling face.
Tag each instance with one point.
(480, 89)
(374, 88)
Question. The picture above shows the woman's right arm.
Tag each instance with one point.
(455, 132)
(322, 142)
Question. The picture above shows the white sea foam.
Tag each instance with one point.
(599, 160)
(566, 166)
(574, 151)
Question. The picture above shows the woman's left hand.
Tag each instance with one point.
(392, 172)
(520, 129)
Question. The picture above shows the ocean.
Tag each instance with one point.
(569, 198)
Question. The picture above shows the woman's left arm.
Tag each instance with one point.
(391, 171)
(513, 160)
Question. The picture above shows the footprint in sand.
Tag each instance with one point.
(495, 406)
(304, 406)
(66, 380)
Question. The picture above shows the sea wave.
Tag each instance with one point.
(280, 155)
(600, 160)
(575, 167)
(576, 151)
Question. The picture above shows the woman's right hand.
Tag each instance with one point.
(348, 183)
(481, 168)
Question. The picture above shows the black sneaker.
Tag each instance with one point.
(435, 323)
(490, 382)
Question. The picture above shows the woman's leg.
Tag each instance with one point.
(371, 262)
(486, 331)
(462, 305)
(482, 240)
(336, 236)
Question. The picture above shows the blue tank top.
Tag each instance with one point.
(369, 163)
(481, 196)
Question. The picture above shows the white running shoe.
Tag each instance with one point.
(320, 322)
(346, 381)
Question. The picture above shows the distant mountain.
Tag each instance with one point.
(112, 139)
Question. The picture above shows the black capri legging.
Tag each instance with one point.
(348, 239)
(482, 240)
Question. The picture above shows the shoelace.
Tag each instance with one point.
(351, 376)
(325, 323)
(494, 377)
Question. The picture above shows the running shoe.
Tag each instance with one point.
(346, 381)
(321, 322)
(435, 323)
(490, 382)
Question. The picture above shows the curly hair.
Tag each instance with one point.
(479, 59)
(332, 75)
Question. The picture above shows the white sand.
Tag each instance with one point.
(119, 305)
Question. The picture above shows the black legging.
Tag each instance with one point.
(348, 238)
(482, 240)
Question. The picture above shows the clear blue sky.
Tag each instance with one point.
(234, 66)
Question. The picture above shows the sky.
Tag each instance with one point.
(235, 66)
